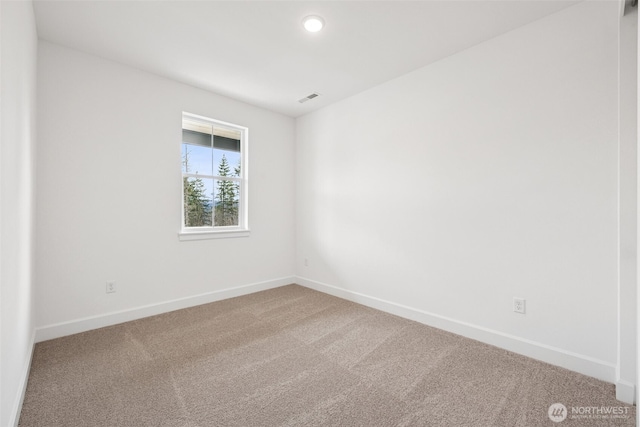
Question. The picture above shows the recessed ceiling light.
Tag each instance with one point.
(313, 23)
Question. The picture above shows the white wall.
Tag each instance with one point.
(628, 205)
(489, 175)
(109, 191)
(17, 147)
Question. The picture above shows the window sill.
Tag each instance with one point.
(211, 234)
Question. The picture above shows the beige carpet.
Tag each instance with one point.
(295, 357)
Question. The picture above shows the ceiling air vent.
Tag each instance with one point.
(308, 98)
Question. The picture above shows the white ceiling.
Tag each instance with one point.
(258, 52)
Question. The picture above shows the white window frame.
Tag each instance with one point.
(217, 232)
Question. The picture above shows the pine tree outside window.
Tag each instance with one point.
(214, 179)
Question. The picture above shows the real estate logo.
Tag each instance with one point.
(557, 412)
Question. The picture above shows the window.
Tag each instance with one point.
(214, 179)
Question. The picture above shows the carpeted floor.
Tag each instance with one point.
(295, 357)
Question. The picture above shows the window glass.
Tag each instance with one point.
(214, 184)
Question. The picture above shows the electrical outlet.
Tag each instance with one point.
(519, 305)
(306, 262)
(111, 287)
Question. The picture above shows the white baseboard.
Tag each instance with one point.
(556, 356)
(586, 365)
(24, 379)
(625, 392)
(94, 322)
